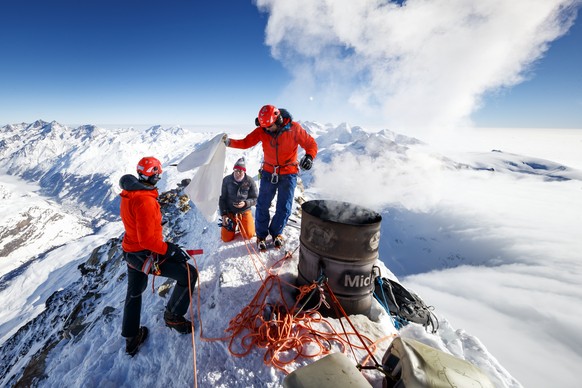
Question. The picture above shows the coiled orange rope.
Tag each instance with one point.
(286, 332)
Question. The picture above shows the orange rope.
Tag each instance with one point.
(339, 307)
(254, 255)
(286, 333)
(198, 305)
(192, 323)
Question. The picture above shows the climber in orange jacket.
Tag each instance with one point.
(280, 137)
(145, 252)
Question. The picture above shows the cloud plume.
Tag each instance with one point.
(414, 64)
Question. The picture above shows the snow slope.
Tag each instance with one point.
(62, 325)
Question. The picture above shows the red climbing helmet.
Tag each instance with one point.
(149, 166)
(268, 115)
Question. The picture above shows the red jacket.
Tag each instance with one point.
(280, 148)
(141, 216)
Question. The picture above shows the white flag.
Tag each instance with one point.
(204, 189)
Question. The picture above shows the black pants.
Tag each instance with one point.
(137, 282)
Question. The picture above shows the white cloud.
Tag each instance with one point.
(370, 180)
(425, 64)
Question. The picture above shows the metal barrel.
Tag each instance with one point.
(340, 240)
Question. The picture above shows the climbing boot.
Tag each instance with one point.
(261, 244)
(132, 344)
(278, 241)
(177, 322)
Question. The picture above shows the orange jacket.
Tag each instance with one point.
(280, 148)
(141, 216)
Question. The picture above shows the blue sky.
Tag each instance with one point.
(552, 97)
(217, 62)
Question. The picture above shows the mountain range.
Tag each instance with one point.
(62, 277)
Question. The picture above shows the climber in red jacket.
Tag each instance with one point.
(280, 137)
(146, 252)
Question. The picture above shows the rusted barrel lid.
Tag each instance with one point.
(340, 229)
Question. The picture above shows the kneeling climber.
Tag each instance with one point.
(238, 195)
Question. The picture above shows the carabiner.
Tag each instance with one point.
(275, 175)
(157, 271)
(156, 265)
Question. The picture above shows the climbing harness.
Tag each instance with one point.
(275, 174)
(151, 265)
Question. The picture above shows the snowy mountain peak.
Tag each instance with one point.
(156, 131)
(43, 127)
(80, 166)
(440, 226)
(37, 124)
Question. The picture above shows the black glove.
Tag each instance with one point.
(175, 253)
(306, 162)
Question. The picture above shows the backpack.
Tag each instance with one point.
(412, 364)
(403, 306)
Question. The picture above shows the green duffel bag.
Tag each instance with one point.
(412, 364)
(332, 371)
